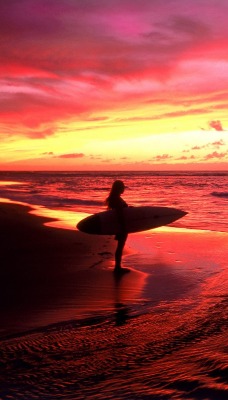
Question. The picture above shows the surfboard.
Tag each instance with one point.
(136, 219)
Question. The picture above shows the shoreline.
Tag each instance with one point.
(68, 219)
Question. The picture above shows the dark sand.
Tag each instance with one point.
(71, 329)
(49, 275)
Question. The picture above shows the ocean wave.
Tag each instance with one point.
(35, 198)
(56, 201)
(219, 194)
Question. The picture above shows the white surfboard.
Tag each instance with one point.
(136, 219)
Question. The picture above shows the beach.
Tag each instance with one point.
(71, 329)
(51, 274)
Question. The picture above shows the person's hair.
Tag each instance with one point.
(116, 190)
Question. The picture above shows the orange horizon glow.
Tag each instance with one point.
(116, 86)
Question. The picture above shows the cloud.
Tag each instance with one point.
(215, 155)
(218, 143)
(192, 27)
(63, 60)
(184, 158)
(161, 157)
(102, 38)
(71, 155)
(215, 144)
(172, 114)
(58, 36)
(48, 153)
(197, 147)
(95, 119)
(108, 160)
(39, 134)
(216, 124)
(31, 112)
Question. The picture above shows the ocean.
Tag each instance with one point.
(204, 195)
(167, 343)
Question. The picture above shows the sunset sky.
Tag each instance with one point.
(113, 84)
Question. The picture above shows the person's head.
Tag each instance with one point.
(117, 188)
(115, 192)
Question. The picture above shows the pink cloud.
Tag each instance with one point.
(121, 37)
(64, 59)
(161, 157)
(95, 119)
(34, 112)
(215, 155)
(37, 134)
(215, 144)
(217, 125)
(218, 143)
(184, 158)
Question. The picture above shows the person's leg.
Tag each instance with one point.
(119, 251)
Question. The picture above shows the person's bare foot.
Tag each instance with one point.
(120, 270)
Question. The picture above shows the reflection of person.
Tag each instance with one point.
(115, 202)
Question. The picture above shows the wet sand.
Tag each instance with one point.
(71, 329)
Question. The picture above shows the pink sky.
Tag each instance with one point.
(103, 84)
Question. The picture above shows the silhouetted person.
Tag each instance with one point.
(115, 202)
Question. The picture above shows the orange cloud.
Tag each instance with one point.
(71, 155)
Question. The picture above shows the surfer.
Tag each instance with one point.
(115, 202)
